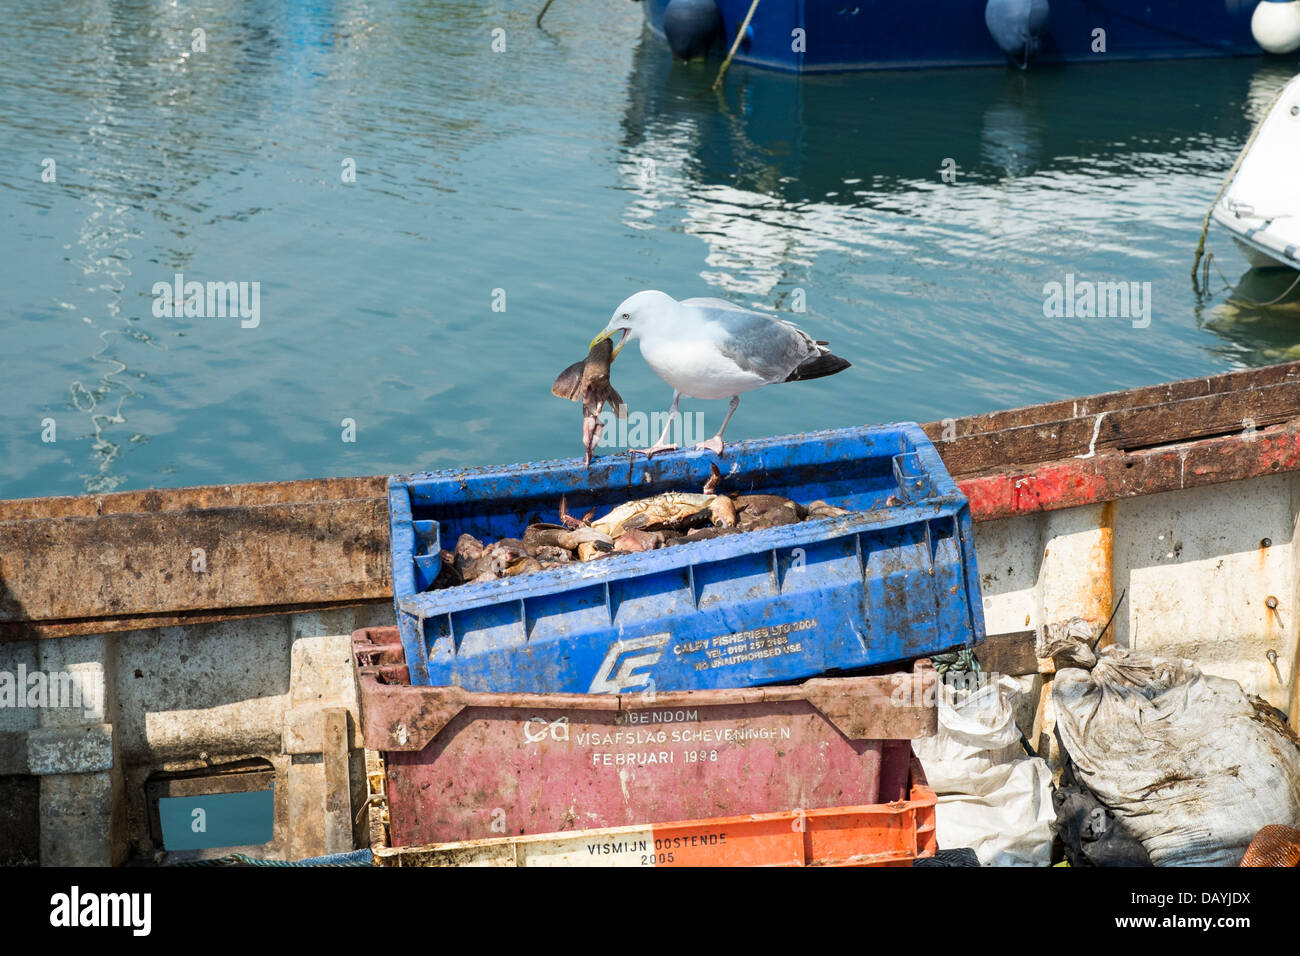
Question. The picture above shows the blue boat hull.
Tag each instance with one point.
(842, 35)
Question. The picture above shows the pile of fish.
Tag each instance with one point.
(661, 521)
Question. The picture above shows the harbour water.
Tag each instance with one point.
(439, 204)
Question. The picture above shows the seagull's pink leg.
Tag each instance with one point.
(661, 444)
(714, 444)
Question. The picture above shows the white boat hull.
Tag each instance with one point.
(1261, 205)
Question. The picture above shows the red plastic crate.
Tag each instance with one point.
(469, 766)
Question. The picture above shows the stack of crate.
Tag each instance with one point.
(671, 707)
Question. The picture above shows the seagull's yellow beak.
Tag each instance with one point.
(609, 334)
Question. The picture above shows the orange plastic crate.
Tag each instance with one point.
(889, 834)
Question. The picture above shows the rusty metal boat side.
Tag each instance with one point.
(1183, 498)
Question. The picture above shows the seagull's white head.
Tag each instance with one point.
(637, 315)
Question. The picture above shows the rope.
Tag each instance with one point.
(543, 13)
(355, 858)
(1115, 610)
(1288, 291)
(1205, 226)
(740, 35)
(959, 662)
(1265, 305)
(1205, 272)
(1241, 300)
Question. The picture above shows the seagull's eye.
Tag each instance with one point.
(626, 316)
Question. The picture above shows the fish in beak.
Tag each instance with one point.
(588, 382)
(609, 333)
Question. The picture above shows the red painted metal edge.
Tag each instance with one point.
(1112, 475)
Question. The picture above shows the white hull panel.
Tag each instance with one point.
(1261, 206)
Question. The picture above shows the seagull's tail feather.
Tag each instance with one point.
(819, 366)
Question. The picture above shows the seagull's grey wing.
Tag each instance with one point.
(717, 304)
(758, 343)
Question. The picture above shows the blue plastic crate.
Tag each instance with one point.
(887, 583)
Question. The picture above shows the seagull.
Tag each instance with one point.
(709, 348)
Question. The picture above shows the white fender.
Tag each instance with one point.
(1275, 25)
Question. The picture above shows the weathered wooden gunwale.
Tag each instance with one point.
(102, 563)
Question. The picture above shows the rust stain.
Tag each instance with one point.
(169, 562)
(1292, 641)
(1101, 573)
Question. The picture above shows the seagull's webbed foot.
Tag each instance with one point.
(655, 449)
(714, 444)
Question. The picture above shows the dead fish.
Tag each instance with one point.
(552, 556)
(543, 535)
(638, 540)
(448, 575)
(523, 566)
(578, 535)
(554, 536)
(588, 382)
(495, 559)
(673, 510)
(481, 568)
(703, 534)
(666, 519)
(774, 518)
(722, 512)
(469, 546)
(468, 550)
(761, 504)
(590, 550)
(756, 512)
(549, 536)
(820, 509)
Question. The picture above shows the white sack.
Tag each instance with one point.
(1183, 758)
(992, 797)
